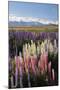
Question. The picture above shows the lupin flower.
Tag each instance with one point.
(49, 70)
(33, 64)
(51, 49)
(30, 60)
(38, 48)
(12, 84)
(42, 64)
(53, 74)
(33, 48)
(46, 60)
(29, 49)
(42, 48)
(55, 47)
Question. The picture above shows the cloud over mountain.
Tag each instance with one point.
(30, 19)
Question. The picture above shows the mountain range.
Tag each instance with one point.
(15, 23)
(23, 21)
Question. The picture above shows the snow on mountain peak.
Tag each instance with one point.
(30, 19)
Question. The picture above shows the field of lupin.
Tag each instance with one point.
(33, 59)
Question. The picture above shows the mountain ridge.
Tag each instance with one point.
(22, 23)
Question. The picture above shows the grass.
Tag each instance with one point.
(50, 28)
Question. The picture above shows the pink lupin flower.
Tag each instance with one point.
(33, 64)
(16, 61)
(41, 64)
(45, 60)
(16, 70)
(20, 67)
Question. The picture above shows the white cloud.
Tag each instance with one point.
(29, 19)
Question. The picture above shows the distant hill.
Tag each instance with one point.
(22, 23)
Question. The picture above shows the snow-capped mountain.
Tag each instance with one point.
(29, 21)
(21, 23)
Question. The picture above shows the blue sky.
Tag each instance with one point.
(36, 10)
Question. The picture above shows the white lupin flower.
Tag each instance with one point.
(42, 48)
(27, 53)
(46, 45)
(23, 50)
(38, 48)
(53, 74)
(20, 57)
(12, 84)
(55, 47)
(49, 42)
(55, 43)
(15, 58)
(45, 41)
(26, 46)
(51, 49)
(33, 48)
(29, 49)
